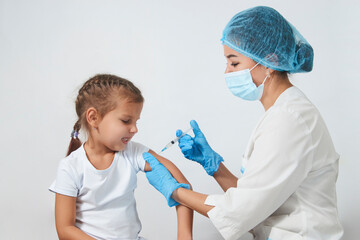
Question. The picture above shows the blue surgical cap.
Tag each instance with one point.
(265, 36)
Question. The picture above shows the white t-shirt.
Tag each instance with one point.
(105, 205)
(287, 189)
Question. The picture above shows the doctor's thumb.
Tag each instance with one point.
(150, 159)
(196, 128)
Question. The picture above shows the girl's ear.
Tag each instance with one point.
(92, 117)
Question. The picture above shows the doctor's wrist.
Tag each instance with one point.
(171, 200)
(212, 163)
(175, 195)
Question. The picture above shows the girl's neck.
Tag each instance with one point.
(97, 148)
(99, 156)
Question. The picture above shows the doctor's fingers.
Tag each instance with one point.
(185, 138)
(186, 144)
(151, 160)
(187, 150)
(178, 133)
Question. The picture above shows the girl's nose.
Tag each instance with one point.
(134, 129)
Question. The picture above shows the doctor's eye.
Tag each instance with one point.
(234, 64)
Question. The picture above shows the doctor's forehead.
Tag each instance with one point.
(230, 53)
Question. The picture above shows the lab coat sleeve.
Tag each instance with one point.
(279, 162)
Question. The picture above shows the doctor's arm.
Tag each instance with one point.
(225, 178)
(279, 165)
(193, 200)
(184, 214)
(164, 181)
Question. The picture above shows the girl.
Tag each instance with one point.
(95, 183)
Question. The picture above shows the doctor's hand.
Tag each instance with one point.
(197, 149)
(162, 179)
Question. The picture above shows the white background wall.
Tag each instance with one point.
(171, 50)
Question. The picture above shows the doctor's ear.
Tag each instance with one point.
(92, 117)
(269, 71)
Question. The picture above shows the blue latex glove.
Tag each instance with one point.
(197, 149)
(162, 179)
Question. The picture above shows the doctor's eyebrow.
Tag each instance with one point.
(231, 55)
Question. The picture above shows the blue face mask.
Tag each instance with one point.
(241, 84)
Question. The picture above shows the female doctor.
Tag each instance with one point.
(287, 188)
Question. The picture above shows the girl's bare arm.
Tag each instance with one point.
(65, 214)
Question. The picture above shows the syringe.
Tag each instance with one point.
(171, 143)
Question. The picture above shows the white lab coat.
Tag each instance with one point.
(287, 189)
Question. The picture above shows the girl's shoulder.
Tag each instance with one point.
(133, 153)
(135, 147)
(70, 174)
(75, 161)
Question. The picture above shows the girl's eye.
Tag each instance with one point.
(126, 121)
(234, 64)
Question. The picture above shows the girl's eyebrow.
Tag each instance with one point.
(129, 116)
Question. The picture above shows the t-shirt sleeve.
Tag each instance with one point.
(65, 182)
(134, 154)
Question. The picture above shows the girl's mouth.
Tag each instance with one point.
(125, 140)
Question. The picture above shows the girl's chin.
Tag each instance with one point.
(117, 147)
(121, 147)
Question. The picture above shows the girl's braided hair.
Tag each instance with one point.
(102, 93)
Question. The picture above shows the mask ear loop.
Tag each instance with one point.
(267, 57)
(254, 66)
(267, 76)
